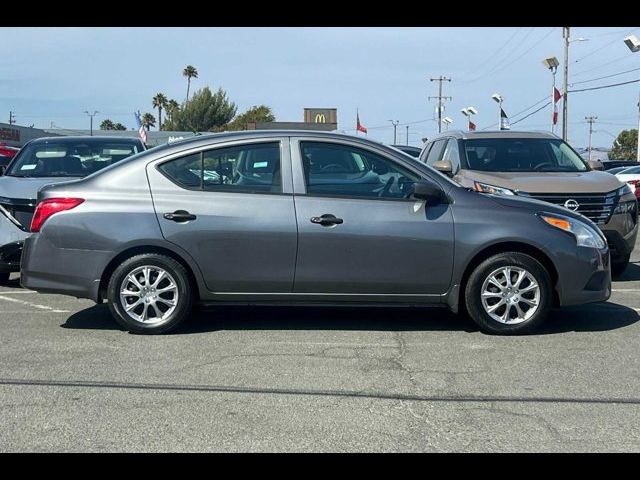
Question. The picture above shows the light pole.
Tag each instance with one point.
(91, 115)
(591, 121)
(469, 112)
(565, 86)
(498, 98)
(552, 64)
(634, 45)
(395, 126)
(446, 121)
(407, 134)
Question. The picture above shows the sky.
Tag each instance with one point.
(50, 76)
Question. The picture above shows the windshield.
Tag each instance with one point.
(69, 159)
(522, 155)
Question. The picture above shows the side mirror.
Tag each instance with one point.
(444, 166)
(429, 191)
(2, 170)
(595, 165)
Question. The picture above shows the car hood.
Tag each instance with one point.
(549, 182)
(27, 188)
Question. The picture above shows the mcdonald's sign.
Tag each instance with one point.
(320, 118)
(321, 115)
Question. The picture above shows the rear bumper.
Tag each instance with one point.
(72, 272)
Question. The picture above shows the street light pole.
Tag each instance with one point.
(91, 115)
(565, 86)
(407, 134)
(395, 125)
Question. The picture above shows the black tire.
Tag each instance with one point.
(4, 278)
(184, 291)
(619, 266)
(473, 290)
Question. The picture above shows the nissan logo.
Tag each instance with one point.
(571, 204)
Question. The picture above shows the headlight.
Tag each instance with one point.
(485, 188)
(623, 190)
(585, 235)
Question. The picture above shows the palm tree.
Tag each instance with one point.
(160, 102)
(148, 121)
(107, 125)
(190, 72)
(172, 106)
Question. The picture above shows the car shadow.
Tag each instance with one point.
(14, 282)
(585, 318)
(631, 273)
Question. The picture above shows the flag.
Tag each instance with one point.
(141, 130)
(504, 121)
(472, 126)
(359, 126)
(556, 98)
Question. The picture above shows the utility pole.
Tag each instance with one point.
(407, 134)
(95, 112)
(440, 97)
(395, 125)
(591, 121)
(565, 86)
(12, 118)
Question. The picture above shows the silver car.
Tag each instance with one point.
(300, 217)
(45, 161)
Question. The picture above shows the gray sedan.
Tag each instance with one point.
(298, 217)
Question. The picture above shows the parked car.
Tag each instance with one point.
(413, 151)
(302, 217)
(8, 151)
(616, 170)
(540, 165)
(45, 161)
(631, 175)
(4, 161)
(608, 165)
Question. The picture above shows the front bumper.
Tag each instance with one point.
(621, 231)
(585, 277)
(11, 239)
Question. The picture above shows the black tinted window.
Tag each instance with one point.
(333, 169)
(248, 168)
(70, 159)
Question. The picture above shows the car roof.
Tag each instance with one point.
(465, 135)
(86, 138)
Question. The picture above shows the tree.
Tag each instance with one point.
(172, 106)
(190, 72)
(160, 101)
(119, 126)
(625, 146)
(148, 121)
(107, 125)
(205, 112)
(260, 113)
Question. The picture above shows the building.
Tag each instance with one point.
(325, 119)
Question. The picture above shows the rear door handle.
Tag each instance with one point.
(327, 220)
(179, 216)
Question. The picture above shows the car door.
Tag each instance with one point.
(230, 206)
(358, 233)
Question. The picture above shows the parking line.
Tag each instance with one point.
(34, 305)
(625, 289)
(11, 292)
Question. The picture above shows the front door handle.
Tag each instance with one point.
(179, 216)
(327, 220)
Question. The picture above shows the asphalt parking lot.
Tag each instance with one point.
(309, 379)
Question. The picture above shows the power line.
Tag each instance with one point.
(605, 86)
(615, 60)
(496, 67)
(534, 112)
(606, 76)
(528, 50)
(493, 56)
(604, 46)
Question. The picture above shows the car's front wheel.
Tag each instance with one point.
(509, 293)
(150, 294)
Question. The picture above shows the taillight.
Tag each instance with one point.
(51, 206)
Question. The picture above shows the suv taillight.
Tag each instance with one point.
(51, 206)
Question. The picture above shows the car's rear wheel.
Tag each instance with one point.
(150, 294)
(4, 278)
(509, 293)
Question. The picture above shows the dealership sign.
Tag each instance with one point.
(11, 134)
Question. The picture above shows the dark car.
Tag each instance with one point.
(8, 151)
(46, 161)
(619, 163)
(302, 217)
(4, 161)
(408, 149)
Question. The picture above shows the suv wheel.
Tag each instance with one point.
(4, 278)
(509, 293)
(618, 267)
(150, 294)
